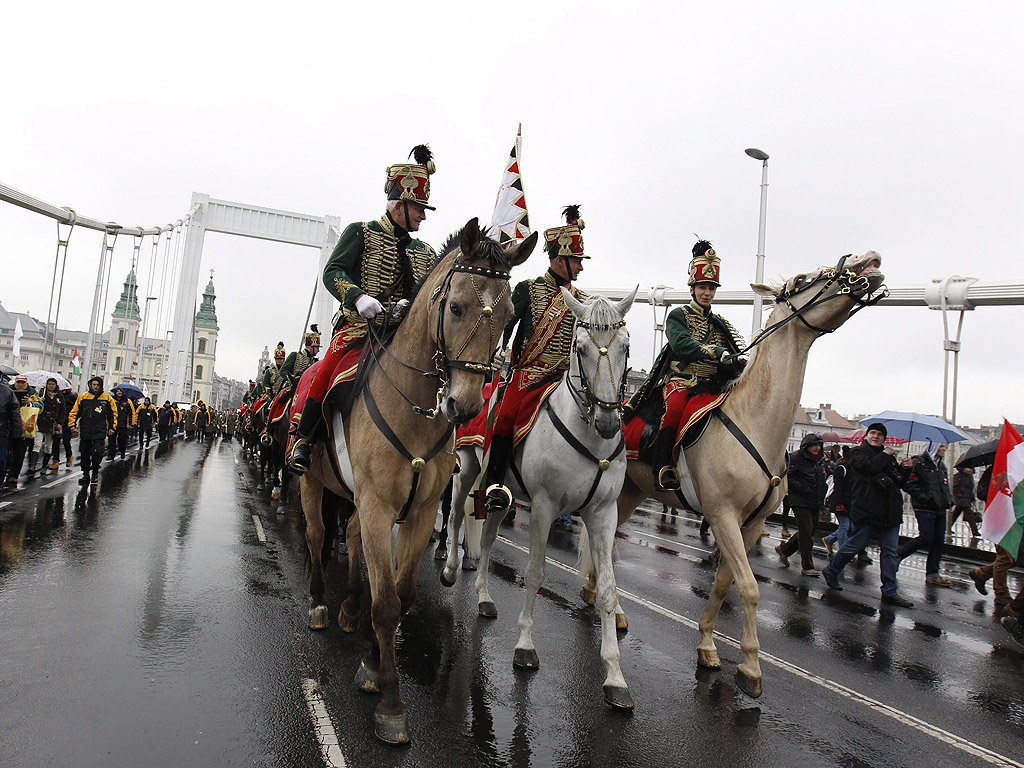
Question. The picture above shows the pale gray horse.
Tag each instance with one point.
(559, 477)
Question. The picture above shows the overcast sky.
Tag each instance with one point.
(892, 126)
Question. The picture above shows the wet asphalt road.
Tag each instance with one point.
(148, 624)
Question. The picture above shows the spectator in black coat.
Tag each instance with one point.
(963, 501)
(51, 423)
(876, 508)
(928, 486)
(806, 476)
(10, 422)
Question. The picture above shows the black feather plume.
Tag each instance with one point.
(421, 154)
(571, 213)
(701, 247)
(314, 329)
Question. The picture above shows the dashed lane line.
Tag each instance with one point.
(323, 726)
(5, 504)
(881, 708)
(62, 480)
(259, 529)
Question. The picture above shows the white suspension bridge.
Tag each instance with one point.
(181, 243)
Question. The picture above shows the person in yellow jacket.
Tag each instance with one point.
(145, 418)
(94, 418)
(125, 421)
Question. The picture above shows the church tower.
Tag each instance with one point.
(123, 338)
(204, 350)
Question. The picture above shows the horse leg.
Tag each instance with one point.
(616, 692)
(462, 484)
(630, 497)
(412, 541)
(733, 544)
(376, 522)
(542, 514)
(485, 605)
(471, 544)
(348, 615)
(312, 493)
(441, 553)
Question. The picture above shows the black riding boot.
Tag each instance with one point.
(499, 498)
(666, 476)
(312, 415)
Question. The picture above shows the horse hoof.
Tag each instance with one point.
(469, 564)
(366, 679)
(259, 487)
(618, 697)
(488, 610)
(589, 595)
(526, 658)
(441, 553)
(446, 580)
(391, 729)
(621, 622)
(749, 685)
(318, 617)
(275, 494)
(708, 659)
(348, 624)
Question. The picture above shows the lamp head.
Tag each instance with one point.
(757, 154)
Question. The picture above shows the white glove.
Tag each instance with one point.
(401, 305)
(368, 307)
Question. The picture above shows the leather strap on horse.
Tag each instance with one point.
(417, 463)
(774, 481)
(570, 438)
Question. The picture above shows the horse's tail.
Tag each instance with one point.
(584, 561)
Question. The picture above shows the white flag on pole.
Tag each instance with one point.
(510, 222)
(18, 333)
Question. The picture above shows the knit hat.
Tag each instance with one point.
(880, 427)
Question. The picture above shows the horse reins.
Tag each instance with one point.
(584, 397)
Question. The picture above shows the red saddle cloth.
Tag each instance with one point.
(257, 406)
(279, 407)
(696, 408)
(473, 433)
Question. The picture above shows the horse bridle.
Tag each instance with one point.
(584, 397)
(849, 283)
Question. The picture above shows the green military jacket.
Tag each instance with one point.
(295, 365)
(697, 339)
(529, 300)
(271, 381)
(368, 259)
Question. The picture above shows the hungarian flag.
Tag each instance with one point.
(1003, 522)
(510, 222)
(76, 364)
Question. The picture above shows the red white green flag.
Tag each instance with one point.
(510, 221)
(1003, 522)
(76, 364)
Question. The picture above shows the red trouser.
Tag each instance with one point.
(342, 357)
(675, 403)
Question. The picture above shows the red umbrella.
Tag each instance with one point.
(858, 437)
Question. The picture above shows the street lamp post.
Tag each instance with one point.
(761, 155)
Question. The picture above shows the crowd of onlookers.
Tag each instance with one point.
(863, 487)
(35, 424)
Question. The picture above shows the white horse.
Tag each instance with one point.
(572, 461)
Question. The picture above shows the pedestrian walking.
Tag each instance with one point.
(201, 419)
(146, 417)
(51, 422)
(21, 444)
(928, 486)
(94, 418)
(963, 502)
(876, 509)
(837, 502)
(70, 396)
(10, 422)
(806, 478)
(118, 442)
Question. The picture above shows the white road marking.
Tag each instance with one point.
(5, 504)
(62, 480)
(259, 529)
(323, 726)
(881, 708)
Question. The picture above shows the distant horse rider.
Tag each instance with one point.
(702, 350)
(374, 268)
(299, 361)
(540, 352)
(272, 380)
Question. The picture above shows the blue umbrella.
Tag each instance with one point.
(130, 390)
(916, 426)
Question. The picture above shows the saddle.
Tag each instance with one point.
(641, 429)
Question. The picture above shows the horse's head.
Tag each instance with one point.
(599, 359)
(825, 299)
(473, 305)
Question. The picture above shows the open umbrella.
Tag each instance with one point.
(980, 455)
(9, 370)
(916, 426)
(130, 390)
(38, 379)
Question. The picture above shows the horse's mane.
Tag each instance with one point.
(600, 310)
(488, 249)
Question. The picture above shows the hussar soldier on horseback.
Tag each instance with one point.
(272, 380)
(702, 350)
(297, 362)
(373, 272)
(540, 352)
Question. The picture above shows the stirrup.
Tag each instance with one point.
(499, 498)
(668, 479)
(298, 460)
(265, 439)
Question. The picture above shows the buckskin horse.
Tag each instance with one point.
(392, 453)
(572, 460)
(736, 466)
